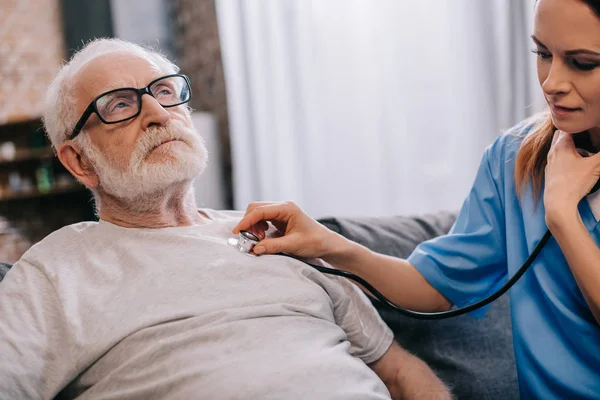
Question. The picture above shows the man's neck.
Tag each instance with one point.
(171, 208)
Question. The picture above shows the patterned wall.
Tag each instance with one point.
(198, 53)
(31, 51)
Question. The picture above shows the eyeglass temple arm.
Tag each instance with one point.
(88, 111)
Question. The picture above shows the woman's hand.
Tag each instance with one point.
(569, 177)
(302, 235)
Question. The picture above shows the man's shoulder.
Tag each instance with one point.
(507, 145)
(221, 214)
(62, 240)
(79, 229)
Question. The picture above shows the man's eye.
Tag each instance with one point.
(119, 105)
(164, 91)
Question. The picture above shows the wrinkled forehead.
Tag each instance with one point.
(112, 71)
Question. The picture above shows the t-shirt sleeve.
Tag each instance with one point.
(368, 334)
(469, 263)
(36, 358)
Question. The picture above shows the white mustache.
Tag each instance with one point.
(155, 136)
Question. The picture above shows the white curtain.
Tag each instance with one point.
(371, 107)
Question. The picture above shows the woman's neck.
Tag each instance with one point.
(593, 138)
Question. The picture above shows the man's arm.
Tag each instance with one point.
(407, 377)
(36, 353)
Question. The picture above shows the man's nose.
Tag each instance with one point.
(153, 113)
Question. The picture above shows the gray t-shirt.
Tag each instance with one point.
(105, 312)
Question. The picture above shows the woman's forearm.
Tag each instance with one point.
(395, 278)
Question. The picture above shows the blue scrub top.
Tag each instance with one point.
(556, 338)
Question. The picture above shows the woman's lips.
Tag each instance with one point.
(562, 111)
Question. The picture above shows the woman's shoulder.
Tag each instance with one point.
(506, 146)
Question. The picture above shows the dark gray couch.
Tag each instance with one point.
(475, 357)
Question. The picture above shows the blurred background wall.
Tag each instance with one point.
(348, 107)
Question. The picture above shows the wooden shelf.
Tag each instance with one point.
(74, 187)
(21, 119)
(29, 154)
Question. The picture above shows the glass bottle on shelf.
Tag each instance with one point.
(14, 182)
(45, 176)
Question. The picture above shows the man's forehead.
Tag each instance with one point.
(113, 71)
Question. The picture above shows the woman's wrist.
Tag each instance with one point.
(560, 217)
(343, 252)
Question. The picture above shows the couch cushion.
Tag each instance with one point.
(4, 267)
(474, 357)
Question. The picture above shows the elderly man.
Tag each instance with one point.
(151, 302)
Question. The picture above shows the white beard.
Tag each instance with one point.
(142, 178)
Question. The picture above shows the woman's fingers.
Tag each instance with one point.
(555, 137)
(274, 246)
(274, 212)
(562, 145)
(302, 235)
(259, 229)
(252, 206)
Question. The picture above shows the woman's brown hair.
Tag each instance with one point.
(532, 155)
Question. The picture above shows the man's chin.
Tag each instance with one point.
(154, 179)
(165, 167)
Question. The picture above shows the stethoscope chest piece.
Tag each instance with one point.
(244, 242)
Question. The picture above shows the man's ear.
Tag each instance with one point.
(70, 155)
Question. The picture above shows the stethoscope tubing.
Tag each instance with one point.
(418, 314)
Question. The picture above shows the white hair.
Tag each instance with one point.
(59, 107)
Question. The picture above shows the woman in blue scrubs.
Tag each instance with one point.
(535, 177)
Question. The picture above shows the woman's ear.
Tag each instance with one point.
(71, 156)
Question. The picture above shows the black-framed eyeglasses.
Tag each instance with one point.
(119, 105)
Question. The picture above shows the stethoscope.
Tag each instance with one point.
(246, 241)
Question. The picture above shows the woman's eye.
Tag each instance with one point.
(541, 54)
(584, 66)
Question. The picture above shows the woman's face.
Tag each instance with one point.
(567, 39)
